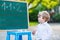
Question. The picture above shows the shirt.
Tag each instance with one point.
(44, 31)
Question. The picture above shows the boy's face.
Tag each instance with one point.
(40, 19)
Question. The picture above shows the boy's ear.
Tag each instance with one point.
(45, 19)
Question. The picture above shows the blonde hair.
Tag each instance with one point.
(45, 15)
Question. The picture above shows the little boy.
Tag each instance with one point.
(43, 30)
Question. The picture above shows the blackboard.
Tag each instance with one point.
(13, 15)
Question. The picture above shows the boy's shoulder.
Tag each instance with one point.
(43, 24)
(46, 24)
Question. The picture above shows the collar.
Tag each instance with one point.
(43, 23)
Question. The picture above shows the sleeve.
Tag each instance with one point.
(47, 34)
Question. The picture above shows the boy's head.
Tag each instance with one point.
(43, 16)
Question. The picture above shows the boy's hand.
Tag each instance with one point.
(33, 32)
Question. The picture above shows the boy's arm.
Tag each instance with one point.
(34, 31)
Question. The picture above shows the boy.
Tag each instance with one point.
(43, 30)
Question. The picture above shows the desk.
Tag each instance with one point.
(18, 35)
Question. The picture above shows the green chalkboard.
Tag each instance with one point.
(13, 15)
